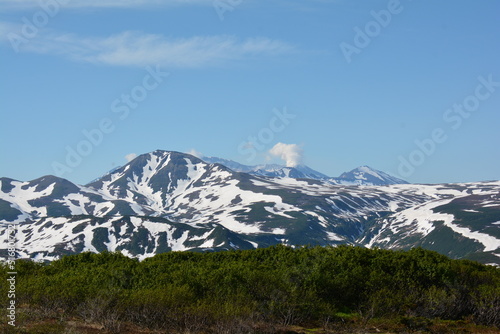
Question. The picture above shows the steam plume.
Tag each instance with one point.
(290, 153)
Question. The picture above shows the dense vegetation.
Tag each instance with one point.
(258, 291)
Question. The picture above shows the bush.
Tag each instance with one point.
(236, 291)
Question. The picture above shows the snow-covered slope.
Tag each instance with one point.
(163, 201)
(462, 220)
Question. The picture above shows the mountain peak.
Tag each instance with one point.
(270, 170)
(362, 175)
(157, 163)
(148, 167)
(369, 176)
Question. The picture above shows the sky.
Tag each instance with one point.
(409, 87)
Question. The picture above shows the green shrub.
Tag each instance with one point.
(277, 286)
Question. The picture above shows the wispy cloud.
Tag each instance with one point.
(195, 153)
(132, 48)
(26, 4)
(131, 156)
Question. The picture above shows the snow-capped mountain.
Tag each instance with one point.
(363, 175)
(271, 170)
(297, 172)
(235, 166)
(163, 201)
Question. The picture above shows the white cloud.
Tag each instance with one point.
(195, 153)
(131, 156)
(131, 48)
(290, 153)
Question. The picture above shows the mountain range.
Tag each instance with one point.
(169, 201)
(363, 175)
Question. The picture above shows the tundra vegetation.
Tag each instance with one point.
(278, 289)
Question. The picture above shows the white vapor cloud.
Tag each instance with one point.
(132, 48)
(130, 157)
(196, 153)
(290, 153)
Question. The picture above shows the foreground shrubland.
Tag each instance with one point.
(269, 290)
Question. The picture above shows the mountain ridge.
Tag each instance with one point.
(353, 177)
(163, 201)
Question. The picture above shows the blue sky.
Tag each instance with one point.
(408, 87)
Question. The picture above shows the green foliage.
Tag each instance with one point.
(234, 290)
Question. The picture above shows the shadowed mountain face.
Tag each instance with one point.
(163, 201)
